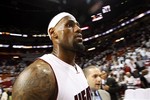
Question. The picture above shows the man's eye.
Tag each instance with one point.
(95, 76)
(70, 25)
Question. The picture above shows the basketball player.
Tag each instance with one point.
(56, 76)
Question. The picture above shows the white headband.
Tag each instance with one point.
(56, 19)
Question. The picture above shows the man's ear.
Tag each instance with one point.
(52, 33)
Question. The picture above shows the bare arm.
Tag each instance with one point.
(36, 82)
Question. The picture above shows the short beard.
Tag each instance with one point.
(79, 48)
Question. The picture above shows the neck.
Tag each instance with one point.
(66, 57)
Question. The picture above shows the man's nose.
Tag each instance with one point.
(77, 29)
(99, 78)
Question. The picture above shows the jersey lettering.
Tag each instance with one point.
(83, 95)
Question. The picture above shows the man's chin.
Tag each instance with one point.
(80, 48)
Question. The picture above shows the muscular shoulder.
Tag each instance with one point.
(37, 81)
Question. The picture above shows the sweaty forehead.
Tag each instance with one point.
(66, 19)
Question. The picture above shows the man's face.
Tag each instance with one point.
(69, 34)
(104, 75)
(94, 79)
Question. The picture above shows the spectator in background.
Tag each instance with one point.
(140, 64)
(126, 68)
(93, 76)
(129, 80)
(4, 95)
(144, 82)
(109, 84)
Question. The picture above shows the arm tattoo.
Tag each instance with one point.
(33, 84)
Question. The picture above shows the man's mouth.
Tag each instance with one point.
(79, 37)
